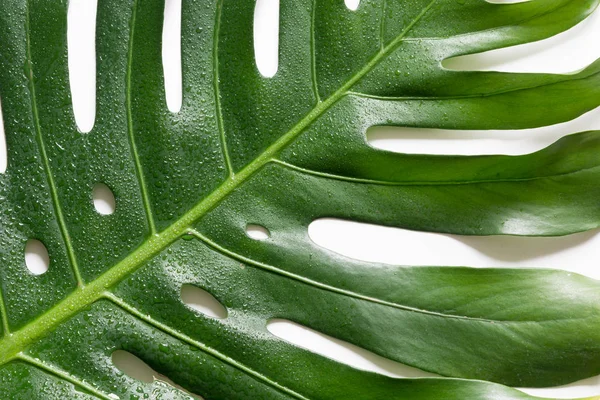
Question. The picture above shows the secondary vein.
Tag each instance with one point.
(14, 344)
(52, 370)
(134, 151)
(313, 52)
(382, 24)
(46, 164)
(201, 346)
(324, 286)
(3, 313)
(217, 91)
(344, 178)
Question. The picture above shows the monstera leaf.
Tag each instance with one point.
(280, 153)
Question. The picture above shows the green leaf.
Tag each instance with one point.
(280, 153)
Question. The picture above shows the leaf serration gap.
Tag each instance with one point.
(46, 164)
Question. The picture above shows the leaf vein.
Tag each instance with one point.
(422, 183)
(217, 90)
(578, 77)
(54, 371)
(201, 346)
(46, 163)
(323, 286)
(13, 344)
(382, 25)
(4, 313)
(134, 151)
(313, 52)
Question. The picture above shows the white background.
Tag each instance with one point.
(565, 53)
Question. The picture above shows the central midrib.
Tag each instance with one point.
(82, 297)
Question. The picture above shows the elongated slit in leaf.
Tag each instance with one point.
(464, 142)
(266, 37)
(372, 243)
(81, 41)
(3, 148)
(340, 350)
(171, 54)
(586, 388)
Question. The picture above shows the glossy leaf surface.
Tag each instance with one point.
(279, 153)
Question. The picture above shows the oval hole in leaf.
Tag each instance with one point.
(257, 232)
(395, 246)
(37, 258)
(104, 199)
(340, 350)
(171, 54)
(132, 366)
(352, 4)
(81, 43)
(203, 302)
(266, 37)
(3, 149)
(135, 368)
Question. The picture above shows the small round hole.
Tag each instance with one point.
(37, 259)
(257, 232)
(104, 199)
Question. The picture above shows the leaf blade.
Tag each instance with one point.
(131, 242)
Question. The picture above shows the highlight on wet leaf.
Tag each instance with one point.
(170, 252)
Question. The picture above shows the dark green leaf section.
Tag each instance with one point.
(19, 381)
(43, 141)
(247, 361)
(447, 29)
(515, 318)
(544, 193)
(280, 153)
(169, 144)
(26, 204)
